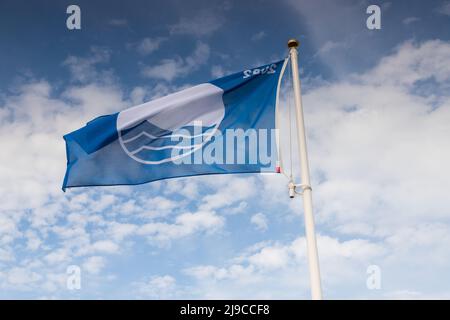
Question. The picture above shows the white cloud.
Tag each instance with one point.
(33, 243)
(444, 8)
(57, 256)
(407, 21)
(270, 258)
(118, 22)
(185, 224)
(232, 190)
(147, 45)
(420, 246)
(217, 71)
(21, 276)
(158, 206)
(119, 231)
(32, 160)
(280, 270)
(8, 229)
(390, 143)
(137, 95)
(260, 221)
(157, 287)
(412, 62)
(91, 100)
(94, 264)
(169, 69)
(200, 219)
(6, 255)
(104, 246)
(105, 201)
(83, 69)
(240, 208)
(188, 188)
(233, 272)
(258, 36)
(330, 46)
(203, 23)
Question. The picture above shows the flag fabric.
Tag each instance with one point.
(205, 129)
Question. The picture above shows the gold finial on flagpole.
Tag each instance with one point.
(293, 43)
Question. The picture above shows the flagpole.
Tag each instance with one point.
(313, 259)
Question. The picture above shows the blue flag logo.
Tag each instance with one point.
(224, 126)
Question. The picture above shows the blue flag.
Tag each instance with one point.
(224, 126)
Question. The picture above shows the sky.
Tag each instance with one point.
(377, 113)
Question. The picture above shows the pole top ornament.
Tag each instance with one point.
(293, 43)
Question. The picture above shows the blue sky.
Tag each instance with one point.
(377, 110)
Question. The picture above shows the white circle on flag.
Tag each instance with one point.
(160, 120)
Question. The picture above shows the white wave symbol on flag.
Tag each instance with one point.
(149, 133)
(172, 136)
(149, 144)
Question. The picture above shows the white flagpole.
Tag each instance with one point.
(313, 259)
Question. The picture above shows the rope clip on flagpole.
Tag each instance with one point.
(293, 188)
(310, 235)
